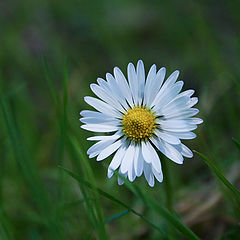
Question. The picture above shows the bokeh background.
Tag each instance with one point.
(57, 48)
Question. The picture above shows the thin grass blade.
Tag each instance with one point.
(160, 210)
(221, 177)
(90, 176)
(115, 217)
(62, 116)
(112, 198)
(28, 170)
(236, 142)
(7, 232)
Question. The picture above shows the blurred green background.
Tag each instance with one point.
(57, 48)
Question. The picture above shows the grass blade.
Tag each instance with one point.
(86, 195)
(5, 226)
(62, 116)
(236, 142)
(28, 170)
(117, 216)
(112, 198)
(90, 176)
(49, 82)
(221, 177)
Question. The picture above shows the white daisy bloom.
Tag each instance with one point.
(141, 116)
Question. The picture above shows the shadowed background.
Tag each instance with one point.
(44, 42)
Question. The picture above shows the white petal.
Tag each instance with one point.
(168, 150)
(128, 158)
(192, 102)
(88, 113)
(123, 85)
(107, 97)
(120, 180)
(141, 80)
(179, 114)
(186, 152)
(177, 129)
(145, 152)
(104, 84)
(92, 155)
(102, 107)
(168, 137)
(168, 83)
(154, 86)
(194, 120)
(116, 161)
(167, 96)
(112, 87)
(158, 175)
(180, 106)
(151, 79)
(101, 120)
(110, 173)
(138, 161)
(94, 114)
(171, 152)
(176, 125)
(150, 153)
(109, 150)
(133, 83)
(187, 93)
(171, 79)
(99, 146)
(183, 135)
(151, 181)
(100, 128)
(116, 90)
(99, 138)
(148, 174)
(84, 113)
(175, 105)
(131, 172)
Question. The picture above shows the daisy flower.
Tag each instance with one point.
(141, 116)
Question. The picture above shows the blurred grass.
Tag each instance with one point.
(201, 39)
(235, 193)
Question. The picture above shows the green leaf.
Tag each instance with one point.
(221, 177)
(112, 198)
(236, 142)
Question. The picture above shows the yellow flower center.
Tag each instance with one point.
(138, 123)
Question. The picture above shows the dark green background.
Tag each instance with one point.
(199, 38)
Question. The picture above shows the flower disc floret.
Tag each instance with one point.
(138, 123)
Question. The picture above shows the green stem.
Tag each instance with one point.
(167, 184)
(168, 190)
